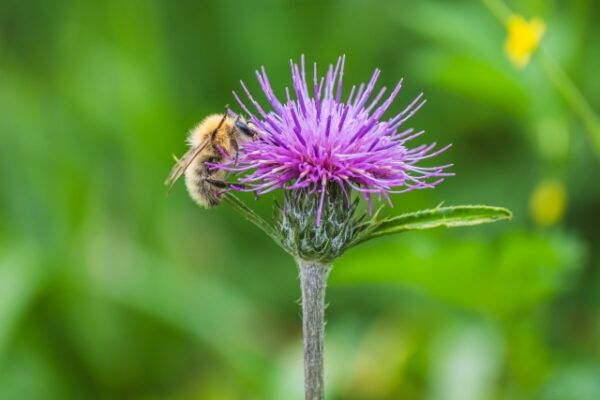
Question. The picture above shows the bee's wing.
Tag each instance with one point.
(183, 163)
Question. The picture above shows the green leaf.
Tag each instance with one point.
(199, 306)
(501, 275)
(239, 206)
(449, 217)
(21, 280)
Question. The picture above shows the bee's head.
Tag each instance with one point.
(245, 131)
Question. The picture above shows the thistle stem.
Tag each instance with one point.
(313, 280)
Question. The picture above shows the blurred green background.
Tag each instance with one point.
(109, 289)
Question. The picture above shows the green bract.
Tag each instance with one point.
(297, 233)
(304, 237)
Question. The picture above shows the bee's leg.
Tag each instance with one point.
(224, 185)
(221, 151)
(236, 148)
(218, 183)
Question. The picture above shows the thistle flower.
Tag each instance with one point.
(314, 141)
(319, 148)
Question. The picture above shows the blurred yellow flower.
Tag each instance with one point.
(548, 202)
(523, 39)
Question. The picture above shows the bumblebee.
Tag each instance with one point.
(215, 140)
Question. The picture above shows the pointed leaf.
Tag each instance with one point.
(448, 217)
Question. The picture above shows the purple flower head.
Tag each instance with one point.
(316, 139)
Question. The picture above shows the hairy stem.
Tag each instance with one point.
(313, 280)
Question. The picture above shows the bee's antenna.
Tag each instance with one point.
(214, 132)
(221, 122)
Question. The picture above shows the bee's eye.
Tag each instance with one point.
(245, 129)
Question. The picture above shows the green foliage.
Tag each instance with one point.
(448, 217)
(502, 276)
